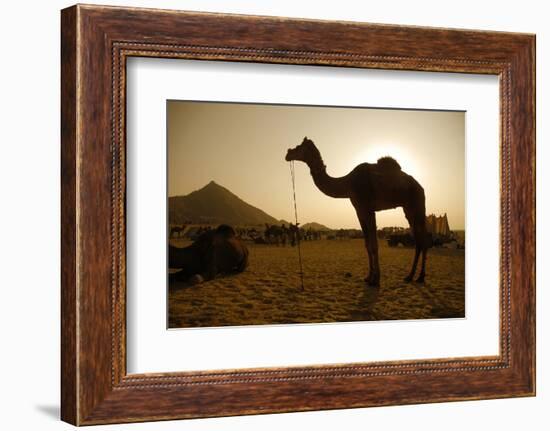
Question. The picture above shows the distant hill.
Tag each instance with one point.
(315, 226)
(214, 204)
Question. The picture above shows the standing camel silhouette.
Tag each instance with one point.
(370, 188)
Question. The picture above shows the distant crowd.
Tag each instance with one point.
(290, 234)
(279, 235)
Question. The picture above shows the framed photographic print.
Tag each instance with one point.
(265, 214)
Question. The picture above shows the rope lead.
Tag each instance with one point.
(293, 176)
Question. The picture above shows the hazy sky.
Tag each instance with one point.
(243, 146)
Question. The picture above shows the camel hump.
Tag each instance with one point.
(226, 231)
(388, 163)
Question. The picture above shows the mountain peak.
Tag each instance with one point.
(215, 204)
(211, 184)
(213, 189)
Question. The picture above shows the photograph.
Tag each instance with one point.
(300, 214)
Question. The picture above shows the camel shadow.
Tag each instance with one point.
(175, 283)
(175, 280)
(439, 309)
(366, 302)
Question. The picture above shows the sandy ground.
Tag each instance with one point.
(269, 291)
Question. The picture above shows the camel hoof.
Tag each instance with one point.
(407, 279)
(420, 279)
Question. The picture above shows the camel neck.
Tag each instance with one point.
(330, 186)
(315, 161)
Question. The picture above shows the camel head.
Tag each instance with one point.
(304, 152)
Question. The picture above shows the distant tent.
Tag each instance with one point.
(438, 225)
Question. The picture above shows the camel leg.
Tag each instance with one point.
(373, 240)
(422, 274)
(423, 239)
(367, 221)
(409, 277)
(363, 224)
(420, 238)
(410, 218)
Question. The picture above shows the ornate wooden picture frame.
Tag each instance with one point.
(96, 41)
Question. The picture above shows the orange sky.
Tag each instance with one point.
(242, 147)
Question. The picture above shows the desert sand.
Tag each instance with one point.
(269, 291)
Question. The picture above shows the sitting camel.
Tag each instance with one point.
(214, 252)
(370, 188)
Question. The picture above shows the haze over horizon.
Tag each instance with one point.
(242, 148)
